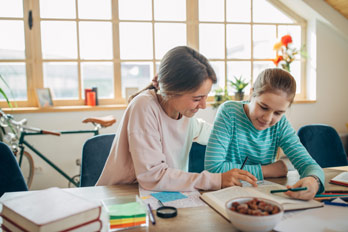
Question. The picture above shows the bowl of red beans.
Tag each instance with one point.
(254, 214)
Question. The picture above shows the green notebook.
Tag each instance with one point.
(126, 210)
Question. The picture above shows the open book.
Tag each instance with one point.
(217, 199)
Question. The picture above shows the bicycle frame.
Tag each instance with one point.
(23, 142)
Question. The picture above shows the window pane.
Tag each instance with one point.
(219, 68)
(167, 36)
(61, 9)
(259, 66)
(135, 76)
(15, 76)
(58, 40)
(238, 11)
(170, 10)
(265, 12)
(212, 46)
(136, 41)
(237, 69)
(94, 9)
(157, 66)
(264, 38)
(12, 44)
(96, 40)
(100, 75)
(11, 8)
(295, 70)
(61, 78)
(211, 10)
(142, 11)
(238, 41)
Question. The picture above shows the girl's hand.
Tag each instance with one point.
(312, 188)
(276, 169)
(234, 176)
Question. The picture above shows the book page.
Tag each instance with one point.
(217, 199)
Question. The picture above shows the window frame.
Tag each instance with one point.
(34, 61)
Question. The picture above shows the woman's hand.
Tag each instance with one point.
(312, 188)
(234, 176)
(276, 169)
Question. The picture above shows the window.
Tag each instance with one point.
(71, 45)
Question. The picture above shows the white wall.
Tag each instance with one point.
(330, 67)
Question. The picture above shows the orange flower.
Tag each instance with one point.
(277, 46)
(286, 39)
(285, 53)
(277, 60)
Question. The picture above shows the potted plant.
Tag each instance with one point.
(221, 95)
(2, 92)
(239, 84)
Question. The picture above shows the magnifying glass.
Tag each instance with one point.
(166, 211)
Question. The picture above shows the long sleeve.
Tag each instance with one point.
(298, 155)
(224, 151)
(153, 148)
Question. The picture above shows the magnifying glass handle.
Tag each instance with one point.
(160, 203)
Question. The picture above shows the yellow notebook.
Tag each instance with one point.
(217, 199)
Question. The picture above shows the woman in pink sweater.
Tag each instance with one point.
(154, 137)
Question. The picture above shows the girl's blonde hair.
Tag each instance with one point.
(182, 70)
(274, 80)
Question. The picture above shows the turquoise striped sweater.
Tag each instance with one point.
(234, 137)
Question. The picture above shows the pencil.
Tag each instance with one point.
(289, 189)
(331, 195)
(246, 158)
(335, 203)
(337, 191)
(152, 217)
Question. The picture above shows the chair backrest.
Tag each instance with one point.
(11, 177)
(323, 144)
(94, 155)
(96, 150)
(196, 157)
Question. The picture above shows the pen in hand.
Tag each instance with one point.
(152, 217)
(246, 158)
(289, 189)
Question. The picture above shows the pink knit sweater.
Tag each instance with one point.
(152, 149)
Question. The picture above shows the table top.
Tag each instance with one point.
(201, 218)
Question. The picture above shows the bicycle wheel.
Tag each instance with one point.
(27, 167)
(76, 178)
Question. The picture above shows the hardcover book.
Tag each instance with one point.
(340, 179)
(51, 209)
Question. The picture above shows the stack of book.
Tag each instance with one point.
(126, 215)
(51, 209)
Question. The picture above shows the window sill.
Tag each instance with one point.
(20, 110)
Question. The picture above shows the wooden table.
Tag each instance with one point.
(189, 219)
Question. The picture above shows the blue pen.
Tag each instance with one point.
(335, 203)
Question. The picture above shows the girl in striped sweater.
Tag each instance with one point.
(257, 129)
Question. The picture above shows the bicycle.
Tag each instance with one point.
(14, 132)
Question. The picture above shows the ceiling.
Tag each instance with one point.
(340, 5)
